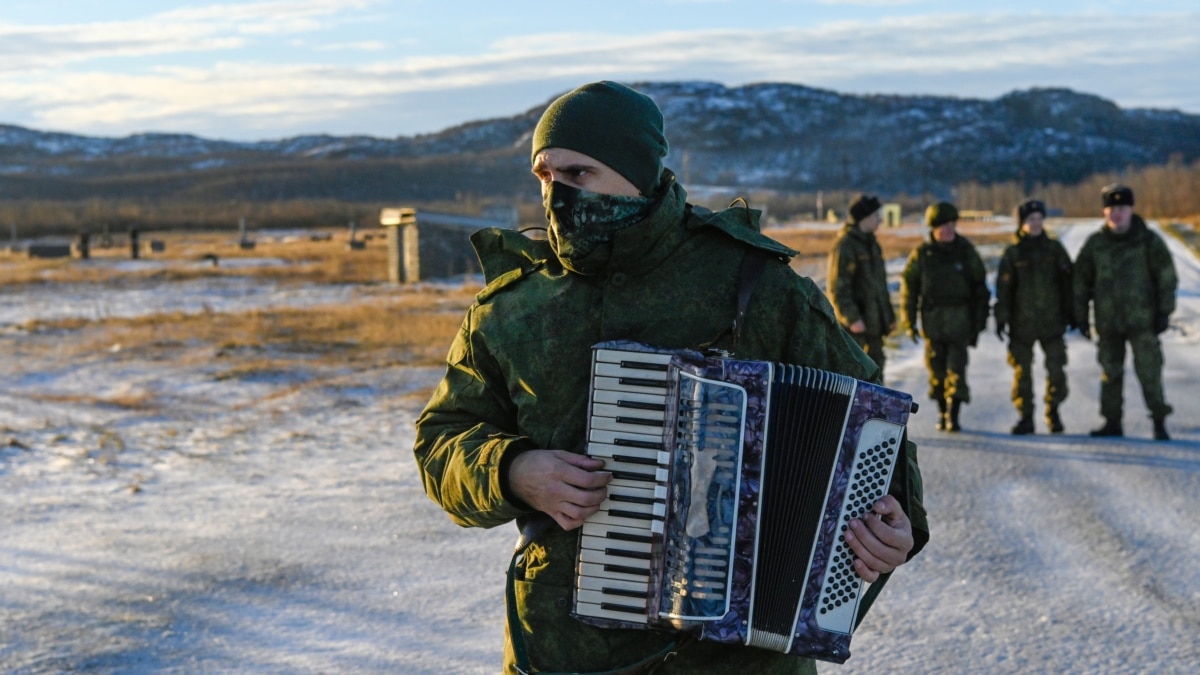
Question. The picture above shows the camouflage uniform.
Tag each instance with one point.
(1130, 281)
(517, 378)
(945, 286)
(858, 289)
(1034, 303)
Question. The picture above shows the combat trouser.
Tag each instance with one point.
(947, 365)
(1020, 357)
(1147, 365)
(872, 345)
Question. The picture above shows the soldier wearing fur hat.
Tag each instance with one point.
(1034, 305)
(945, 296)
(1125, 274)
(626, 258)
(857, 282)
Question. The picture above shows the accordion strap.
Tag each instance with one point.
(749, 273)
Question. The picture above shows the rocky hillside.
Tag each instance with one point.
(780, 136)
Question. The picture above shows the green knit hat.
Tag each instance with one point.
(616, 125)
(940, 214)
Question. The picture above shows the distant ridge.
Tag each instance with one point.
(781, 136)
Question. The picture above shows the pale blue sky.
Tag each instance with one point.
(274, 68)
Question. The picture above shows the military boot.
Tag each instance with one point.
(1054, 421)
(943, 420)
(1024, 426)
(1160, 430)
(952, 416)
(1110, 428)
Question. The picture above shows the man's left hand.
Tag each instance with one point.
(880, 539)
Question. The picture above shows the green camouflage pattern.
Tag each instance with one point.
(1127, 279)
(944, 291)
(857, 288)
(517, 378)
(1034, 298)
(1020, 357)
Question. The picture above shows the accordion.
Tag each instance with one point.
(733, 482)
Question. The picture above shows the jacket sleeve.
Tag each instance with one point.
(841, 284)
(466, 437)
(1005, 282)
(910, 288)
(1083, 281)
(981, 297)
(1162, 271)
(1066, 290)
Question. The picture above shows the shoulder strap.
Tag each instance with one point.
(749, 274)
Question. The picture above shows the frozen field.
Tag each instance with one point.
(277, 523)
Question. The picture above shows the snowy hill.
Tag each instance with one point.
(761, 135)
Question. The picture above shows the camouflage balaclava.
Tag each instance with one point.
(621, 128)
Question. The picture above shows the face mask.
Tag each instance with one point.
(582, 223)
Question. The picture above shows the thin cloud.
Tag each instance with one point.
(984, 50)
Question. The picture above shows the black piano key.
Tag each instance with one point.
(648, 461)
(622, 553)
(639, 405)
(614, 607)
(629, 475)
(632, 443)
(634, 515)
(643, 365)
(640, 421)
(633, 499)
(639, 382)
(635, 538)
(625, 592)
(622, 569)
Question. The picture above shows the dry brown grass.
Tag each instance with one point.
(895, 242)
(409, 327)
(306, 260)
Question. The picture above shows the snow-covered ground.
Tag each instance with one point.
(277, 523)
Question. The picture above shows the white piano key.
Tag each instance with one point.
(656, 509)
(593, 529)
(604, 543)
(591, 555)
(589, 609)
(619, 355)
(597, 571)
(599, 584)
(618, 371)
(614, 384)
(649, 474)
(606, 450)
(597, 597)
(608, 437)
(614, 397)
(607, 410)
(613, 424)
(652, 526)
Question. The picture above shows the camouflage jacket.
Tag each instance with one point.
(1129, 278)
(945, 286)
(858, 282)
(517, 378)
(1033, 288)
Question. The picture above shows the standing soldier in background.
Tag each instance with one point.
(858, 279)
(945, 285)
(1033, 304)
(1127, 272)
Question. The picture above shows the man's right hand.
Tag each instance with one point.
(858, 327)
(566, 486)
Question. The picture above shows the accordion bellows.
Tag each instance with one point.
(733, 482)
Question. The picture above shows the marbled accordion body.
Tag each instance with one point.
(733, 481)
